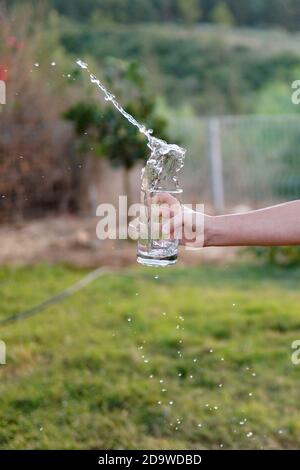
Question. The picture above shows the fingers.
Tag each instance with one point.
(172, 229)
(160, 218)
(134, 230)
(164, 197)
(138, 229)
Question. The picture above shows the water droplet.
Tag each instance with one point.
(81, 64)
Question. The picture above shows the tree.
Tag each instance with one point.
(107, 132)
(34, 144)
(222, 14)
(189, 10)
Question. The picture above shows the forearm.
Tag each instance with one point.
(273, 226)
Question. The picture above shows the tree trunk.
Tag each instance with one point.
(127, 188)
(90, 185)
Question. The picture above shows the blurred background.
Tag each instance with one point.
(112, 367)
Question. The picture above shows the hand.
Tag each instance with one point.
(175, 221)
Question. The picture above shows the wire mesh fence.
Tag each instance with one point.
(231, 161)
(242, 160)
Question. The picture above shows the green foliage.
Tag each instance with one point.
(221, 14)
(189, 10)
(217, 71)
(283, 13)
(104, 129)
(105, 132)
(84, 115)
(286, 255)
(76, 378)
(274, 98)
(204, 67)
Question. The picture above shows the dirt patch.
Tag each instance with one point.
(72, 240)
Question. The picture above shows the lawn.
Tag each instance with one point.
(179, 358)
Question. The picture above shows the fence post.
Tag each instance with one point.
(216, 167)
(2, 92)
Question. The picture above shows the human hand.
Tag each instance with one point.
(174, 221)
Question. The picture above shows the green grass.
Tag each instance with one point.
(76, 377)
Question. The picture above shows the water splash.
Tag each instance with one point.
(165, 161)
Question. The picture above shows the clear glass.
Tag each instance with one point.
(155, 251)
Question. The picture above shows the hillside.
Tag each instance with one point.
(213, 68)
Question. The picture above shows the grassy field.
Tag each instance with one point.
(193, 358)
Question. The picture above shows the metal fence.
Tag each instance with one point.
(231, 161)
(240, 160)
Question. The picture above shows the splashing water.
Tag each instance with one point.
(165, 161)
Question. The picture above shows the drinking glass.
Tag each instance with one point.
(153, 248)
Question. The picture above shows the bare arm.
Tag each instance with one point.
(273, 226)
(277, 225)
